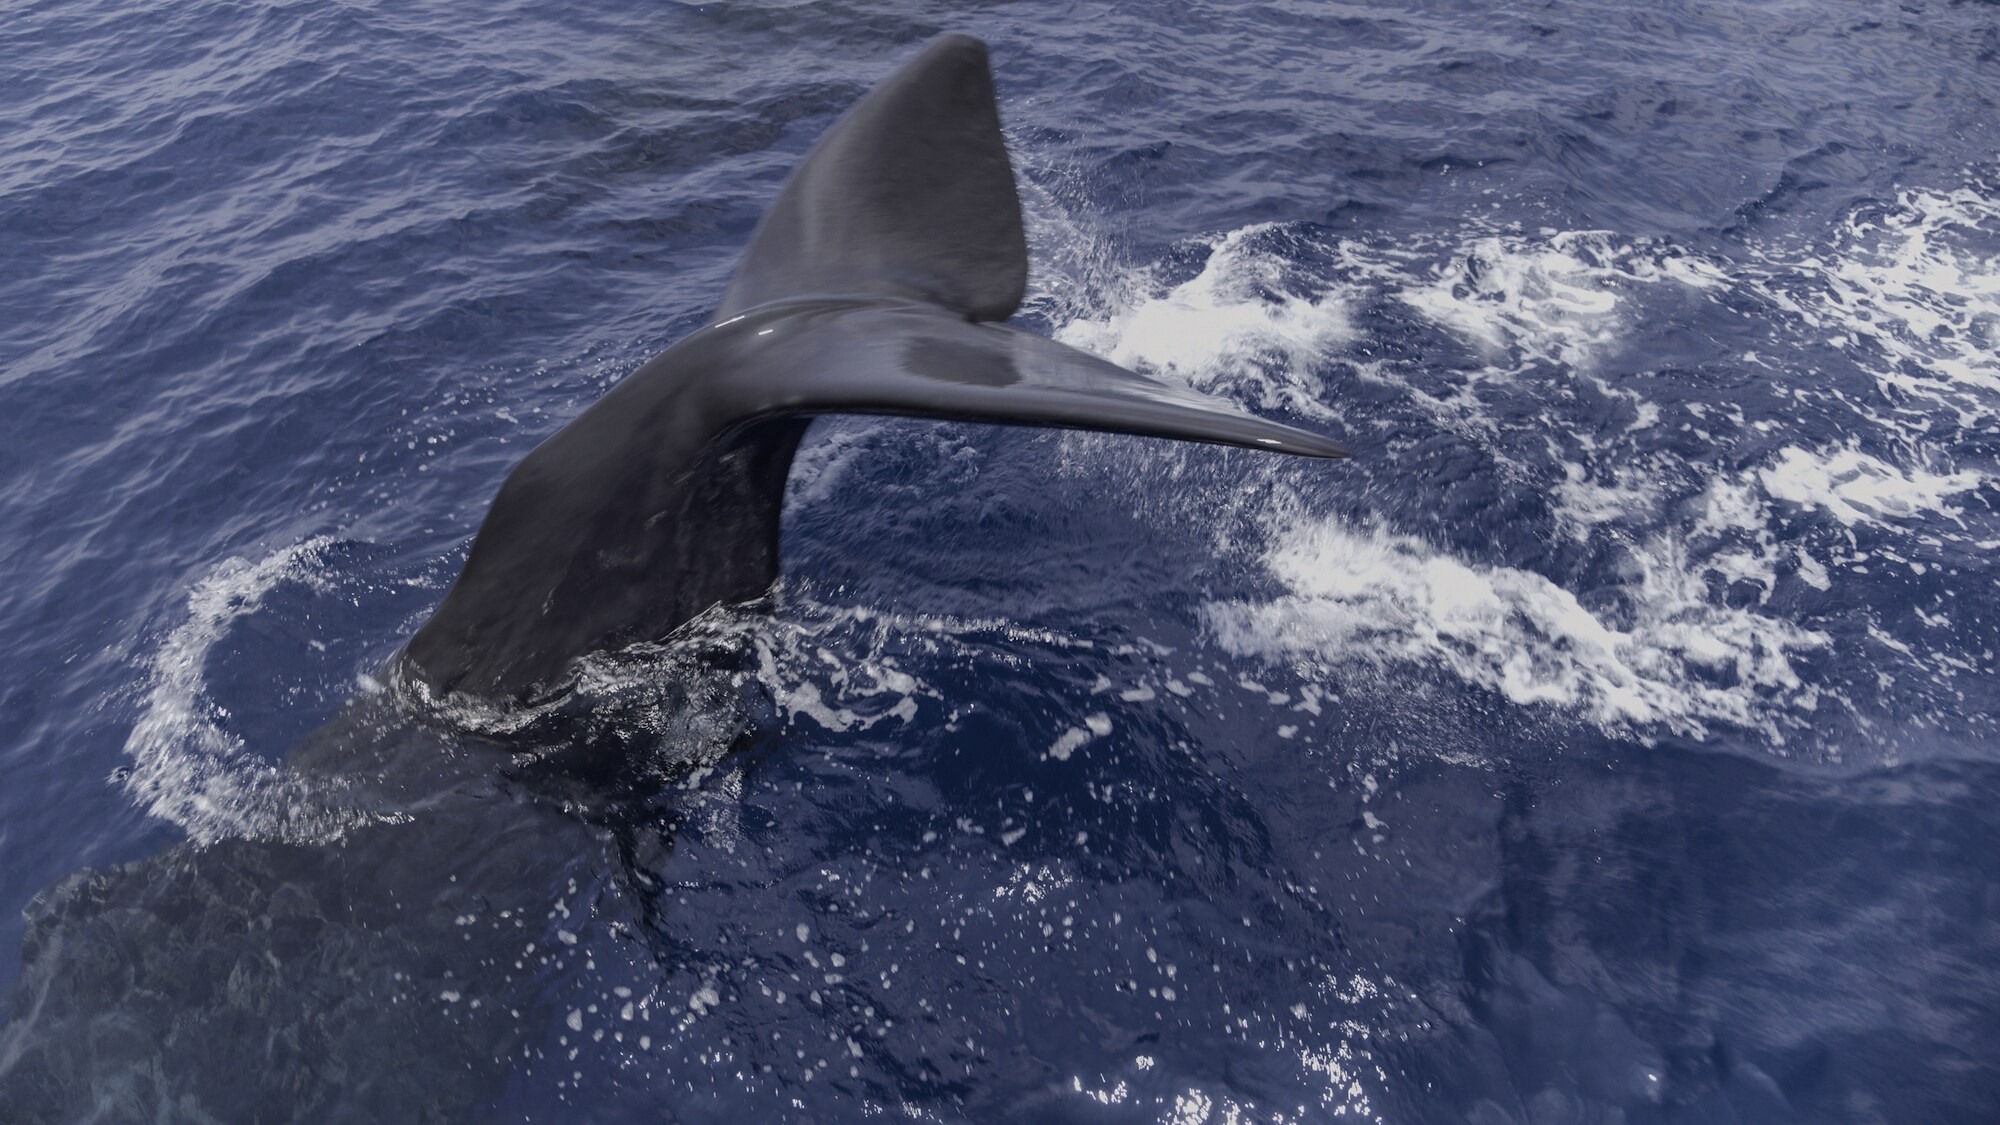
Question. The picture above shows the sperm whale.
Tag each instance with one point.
(411, 892)
(873, 286)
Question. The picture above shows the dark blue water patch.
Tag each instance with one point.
(1701, 1018)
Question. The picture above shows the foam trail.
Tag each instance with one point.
(187, 768)
(1856, 488)
(1374, 597)
(1687, 637)
(840, 691)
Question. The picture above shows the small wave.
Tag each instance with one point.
(841, 668)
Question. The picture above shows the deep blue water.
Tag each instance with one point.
(1613, 739)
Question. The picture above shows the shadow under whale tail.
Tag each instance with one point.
(865, 290)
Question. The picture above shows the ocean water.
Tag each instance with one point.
(1612, 739)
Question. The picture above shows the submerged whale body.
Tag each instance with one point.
(871, 287)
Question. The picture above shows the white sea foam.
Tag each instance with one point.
(839, 692)
(1373, 596)
(1912, 291)
(1583, 503)
(1561, 298)
(1369, 596)
(1095, 725)
(1909, 292)
(844, 667)
(187, 767)
(1240, 320)
(1856, 488)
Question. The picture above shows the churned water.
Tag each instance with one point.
(1613, 739)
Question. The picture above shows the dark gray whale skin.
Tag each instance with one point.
(867, 289)
(320, 964)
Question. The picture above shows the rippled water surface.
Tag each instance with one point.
(1612, 739)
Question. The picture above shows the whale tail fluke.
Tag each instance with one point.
(908, 204)
(866, 290)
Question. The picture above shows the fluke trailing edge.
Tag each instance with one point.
(869, 288)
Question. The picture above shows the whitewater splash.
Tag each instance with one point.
(1249, 321)
(1856, 488)
(1565, 298)
(1700, 622)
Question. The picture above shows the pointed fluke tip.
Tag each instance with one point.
(1305, 444)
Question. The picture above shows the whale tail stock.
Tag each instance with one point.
(870, 287)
